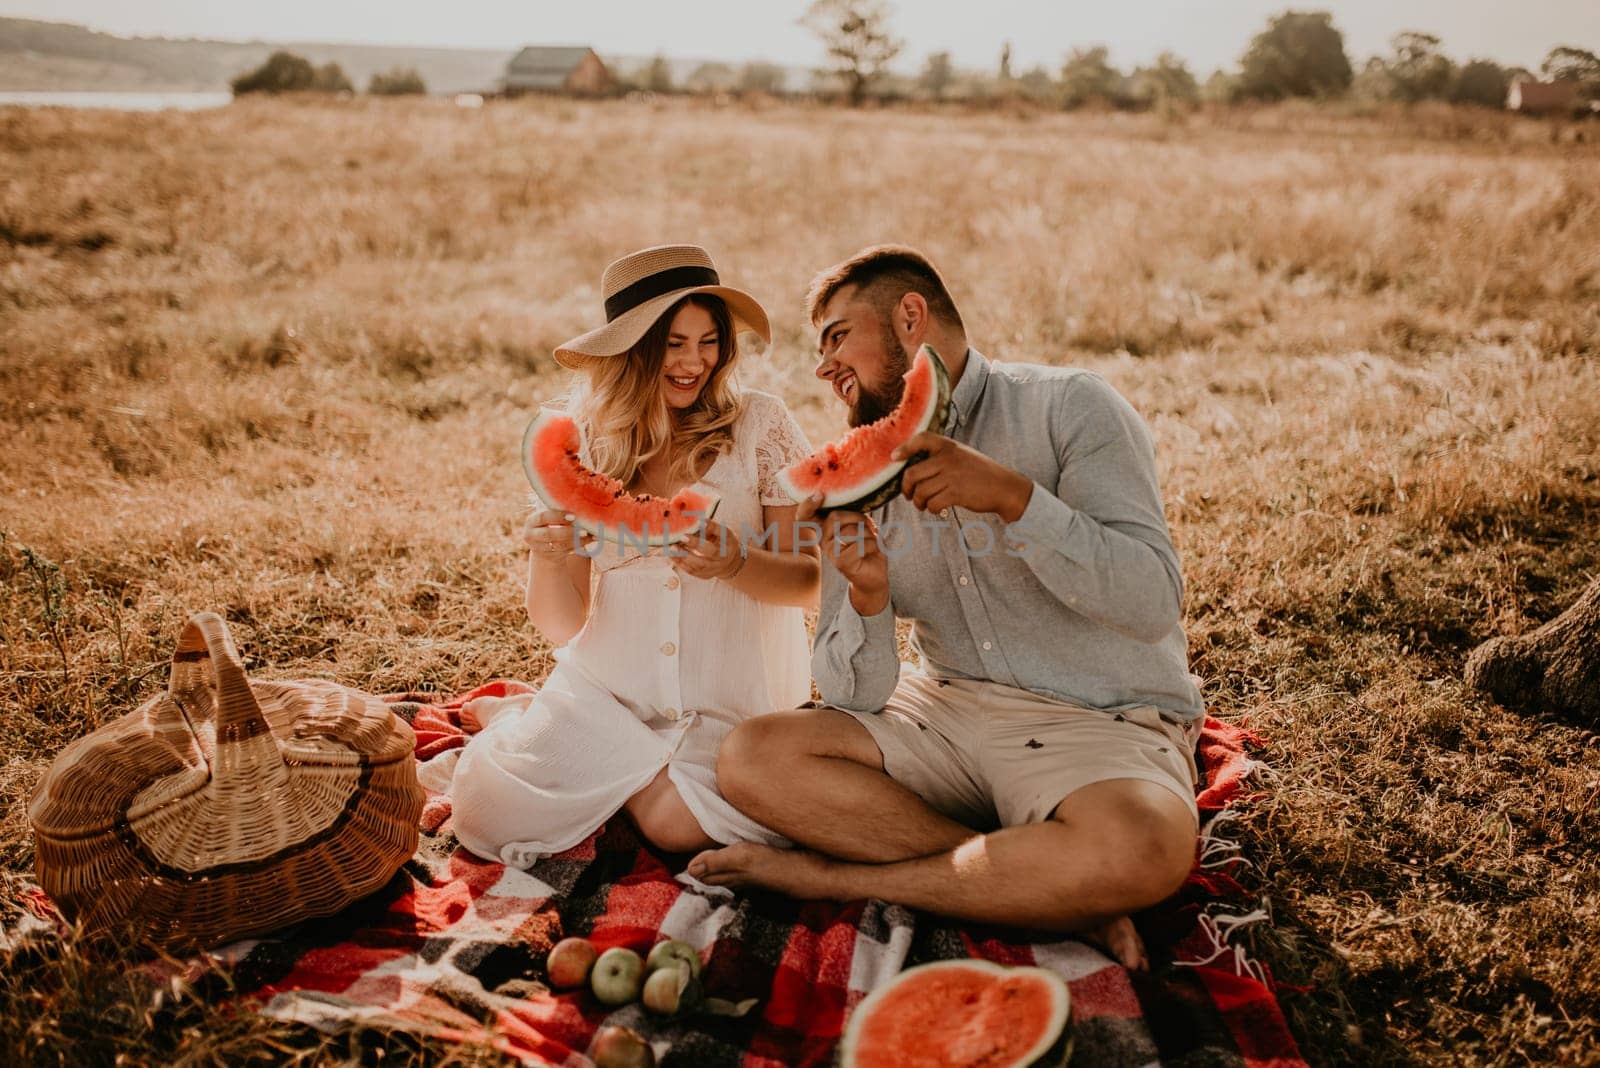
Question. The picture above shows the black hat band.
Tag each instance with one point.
(653, 285)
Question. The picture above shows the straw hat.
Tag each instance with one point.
(642, 285)
(225, 808)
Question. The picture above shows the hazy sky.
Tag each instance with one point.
(1209, 33)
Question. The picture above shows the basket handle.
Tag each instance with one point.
(205, 637)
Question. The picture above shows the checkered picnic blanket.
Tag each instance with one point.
(454, 947)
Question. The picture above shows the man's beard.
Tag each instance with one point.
(872, 404)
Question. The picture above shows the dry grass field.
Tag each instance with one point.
(274, 360)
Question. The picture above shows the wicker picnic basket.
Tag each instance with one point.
(226, 808)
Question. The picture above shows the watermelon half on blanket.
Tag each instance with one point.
(857, 471)
(962, 1012)
(601, 506)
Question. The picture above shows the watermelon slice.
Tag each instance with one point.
(962, 1013)
(602, 506)
(856, 471)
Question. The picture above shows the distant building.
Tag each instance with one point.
(577, 70)
(1542, 98)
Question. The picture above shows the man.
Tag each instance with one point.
(1038, 770)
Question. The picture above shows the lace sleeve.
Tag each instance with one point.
(779, 443)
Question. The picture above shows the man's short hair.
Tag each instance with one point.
(882, 274)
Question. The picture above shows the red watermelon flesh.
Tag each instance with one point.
(601, 505)
(857, 471)
(961, 1014)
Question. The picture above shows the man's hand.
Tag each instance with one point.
(956, 475)
(850, 542)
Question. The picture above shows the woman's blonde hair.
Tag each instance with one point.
(624, 414)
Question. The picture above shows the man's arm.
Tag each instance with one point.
(854, 660)
(1098, 539)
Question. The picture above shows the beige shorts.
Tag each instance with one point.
(989, 755)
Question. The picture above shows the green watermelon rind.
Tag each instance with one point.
(1053, 1051)
(884, 490)
(599, 530)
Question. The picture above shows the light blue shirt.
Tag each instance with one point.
(1080, 599)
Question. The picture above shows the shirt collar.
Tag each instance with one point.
(964, 398)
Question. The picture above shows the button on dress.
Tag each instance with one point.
(665, 667)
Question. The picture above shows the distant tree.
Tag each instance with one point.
(1005, 62)
(1220, 88)
(400, 81)
(761, 78)
(1037, 84)
(283, 72)
(1374, 81)
(1418, 69)
(1300, 53)
(711, 78)
(1574, 64)
(937, 75)
(1168, 81)
(330, 78)
(857, 37)
(1482, 82)
(1088, 76)
(658, 76)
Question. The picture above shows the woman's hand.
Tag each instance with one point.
(552, 538)
(715, 553)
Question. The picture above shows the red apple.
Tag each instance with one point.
(671, 990)
(570, 962)
(621, 1047)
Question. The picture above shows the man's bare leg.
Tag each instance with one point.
(1110, 849)
(816, 776)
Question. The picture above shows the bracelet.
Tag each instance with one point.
(744, 558)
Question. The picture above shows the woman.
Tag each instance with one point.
(660, 654)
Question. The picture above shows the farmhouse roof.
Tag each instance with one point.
(545, 67)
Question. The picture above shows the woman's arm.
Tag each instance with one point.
(558, 578)
(781, 568)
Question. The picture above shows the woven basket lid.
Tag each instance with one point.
(222, 779)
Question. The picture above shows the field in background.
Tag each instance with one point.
(274, 360)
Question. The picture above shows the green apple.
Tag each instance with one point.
(617, 976)
(674, 952)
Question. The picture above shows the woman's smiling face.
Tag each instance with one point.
(693, 348)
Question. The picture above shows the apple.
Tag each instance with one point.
(672, 951)
(617, 976)
(570, 962)
(621, 1047)
(671, 990)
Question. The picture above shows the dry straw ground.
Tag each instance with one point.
(274, 360)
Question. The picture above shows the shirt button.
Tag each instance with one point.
(668, 649)
(944, 513)
(672, 583)
(671, 713)
(987, 646)
(963, 580)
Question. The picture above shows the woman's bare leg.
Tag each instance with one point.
(663, 818)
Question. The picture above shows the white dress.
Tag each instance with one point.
(663, 670)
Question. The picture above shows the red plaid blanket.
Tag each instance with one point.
(455, 944)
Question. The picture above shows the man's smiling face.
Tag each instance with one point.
(860, 356)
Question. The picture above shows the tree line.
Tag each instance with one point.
(1298, 54)
(285, 72)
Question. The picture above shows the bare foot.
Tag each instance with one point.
(795, 872)
(1121, 940)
